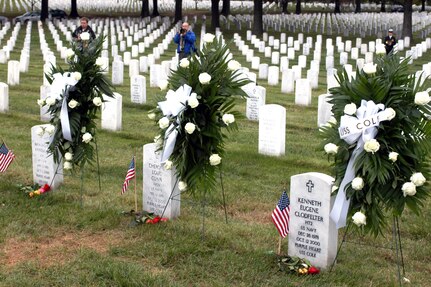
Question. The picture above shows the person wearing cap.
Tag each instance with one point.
(185, 39)
(390, 41)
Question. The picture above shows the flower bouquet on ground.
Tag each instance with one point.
(379, 141)
(297, 265)
(75, 97)
(197, 110)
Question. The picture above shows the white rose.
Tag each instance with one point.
(358, 183)
(73, 104)
(164, 123)
(50, 129)
(380, 49)
(215, 159)
(334, 188)
(151, 116)
(331, 148)
(40, 131)
(184, 63)
(99, 62)
(233, 65)
(85, 36)
(204, 78)
(371, 146)
(369, 68)
(168, 165)
(422, 98)
(193, 101)
(70, 53)
(190, 128)
(350, 109)
(390, 113)
(163, 85)
(208, 38)
(408, 188)
(97, 101)
(50, 101)
(68, 156)
(228, 118)
(41, 103)
(67, 165)
(182, 185)
(418, 179)
(393, 156)
(87, 137)
(77, 76)
(359, 218)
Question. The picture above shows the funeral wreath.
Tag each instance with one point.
(196, 112)
(379, 141)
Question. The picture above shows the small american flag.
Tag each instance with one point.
(6, 157)
(130, 174)
(280, 215)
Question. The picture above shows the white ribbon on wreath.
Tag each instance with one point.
(359, 130)
(175, 103)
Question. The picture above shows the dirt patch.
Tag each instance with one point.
(56, 250)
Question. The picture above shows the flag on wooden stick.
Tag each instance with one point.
(131, 173)
(280, 215)
(6, 157)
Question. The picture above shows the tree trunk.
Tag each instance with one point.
(145, 11)
(155, 10)
(407, 22)
(358, 6)
(284, 6)
(73, 9)
(178, 10)
(258, 21)
(225, 11)
(215, 15)
(337, 6)
(423, 6)
(383, 7)
(298, 7)
(44, 10)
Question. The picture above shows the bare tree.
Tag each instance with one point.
(44, 10)
(298, 7)
(155, 9)
(407, 22)
(73, 9)
(145, 10)
(337, 6)
(258, 15)
(358, 6)
(225, 11)
(382, 7)
(423, 6)
(284, 6)
(178, 10)
(215, 15)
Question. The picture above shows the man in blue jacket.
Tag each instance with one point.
(185, 39)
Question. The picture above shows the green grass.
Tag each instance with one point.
(52, 241)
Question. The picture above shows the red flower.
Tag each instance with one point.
(156, 219)
(149, 221)
(313, 270)
(164, 219)
(44, 188)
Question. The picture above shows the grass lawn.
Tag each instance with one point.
(52, 241)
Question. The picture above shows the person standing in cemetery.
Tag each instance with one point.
(390, 41)
(185, 39)
(76, 35)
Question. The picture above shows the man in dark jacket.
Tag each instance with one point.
(390, 41)
(185, 39)
(76, 35)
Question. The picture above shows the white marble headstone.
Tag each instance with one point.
(312, 233)
(4, 97)
(112, 112)
(272, 130)
(138, 89)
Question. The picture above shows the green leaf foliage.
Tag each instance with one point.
(408, 134)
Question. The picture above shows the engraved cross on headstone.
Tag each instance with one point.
(310, 186)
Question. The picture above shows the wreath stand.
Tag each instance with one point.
(396, 246)
(82, 176)
(203, 202)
